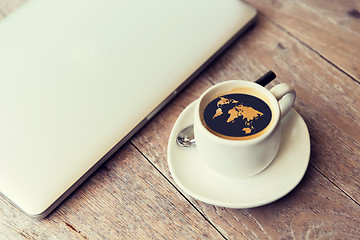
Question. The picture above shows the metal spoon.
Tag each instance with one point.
(185, 137)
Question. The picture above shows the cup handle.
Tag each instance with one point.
(285, 95)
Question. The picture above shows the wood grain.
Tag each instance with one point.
(330, 28)
(314, 210)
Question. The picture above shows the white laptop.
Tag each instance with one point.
(79, 77)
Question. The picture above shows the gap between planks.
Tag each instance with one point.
(335, 184)
(310, 48)
(206, 219)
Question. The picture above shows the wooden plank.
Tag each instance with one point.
(126, 199)
(331, 28)
(314, 210)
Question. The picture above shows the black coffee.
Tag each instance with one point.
(237, 115)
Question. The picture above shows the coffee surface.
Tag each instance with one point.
(237, 115)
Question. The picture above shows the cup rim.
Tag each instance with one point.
(239, 83)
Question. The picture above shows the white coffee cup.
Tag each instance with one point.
(242, 158)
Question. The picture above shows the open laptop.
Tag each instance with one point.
(79, 78)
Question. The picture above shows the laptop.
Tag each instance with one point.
(79, 78)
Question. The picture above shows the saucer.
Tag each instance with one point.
(278, 179)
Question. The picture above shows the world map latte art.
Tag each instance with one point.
(237, 115)
(248, 114)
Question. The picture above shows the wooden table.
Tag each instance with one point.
(312, 45)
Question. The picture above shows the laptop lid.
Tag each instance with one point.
(78, 78)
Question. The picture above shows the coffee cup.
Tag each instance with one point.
(237, 126)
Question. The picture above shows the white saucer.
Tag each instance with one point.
(204, 184)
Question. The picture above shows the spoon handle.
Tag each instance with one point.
(266, 78)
